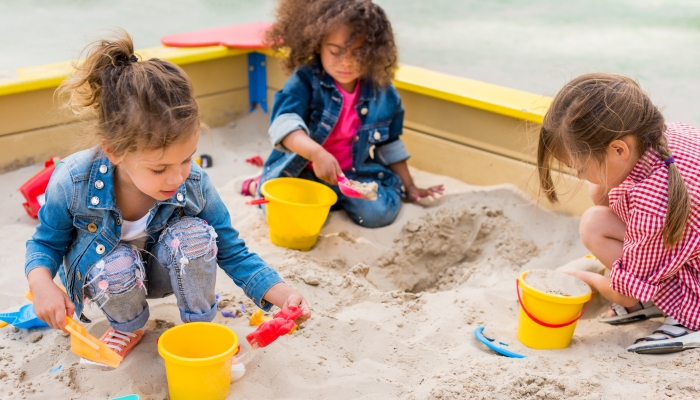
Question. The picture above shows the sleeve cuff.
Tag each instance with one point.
(260, 284)
(282, 126)
(629, 285)
(393, 152)
(40, 261)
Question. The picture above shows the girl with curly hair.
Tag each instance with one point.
(339, 114)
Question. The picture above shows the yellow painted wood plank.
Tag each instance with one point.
(484, 96)
(479, 167)
(51, 75)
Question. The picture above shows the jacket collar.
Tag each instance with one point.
(101, 194)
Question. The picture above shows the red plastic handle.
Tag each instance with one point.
(257, 202)
(532, 317)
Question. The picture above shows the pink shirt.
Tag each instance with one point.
(647, 269)
(339, 141)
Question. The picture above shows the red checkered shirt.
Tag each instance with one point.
(647, 269)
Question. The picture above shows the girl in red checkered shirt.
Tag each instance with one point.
(644, 178)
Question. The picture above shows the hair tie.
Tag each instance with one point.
(669, 161)
(128, 60)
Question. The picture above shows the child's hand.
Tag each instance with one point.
(283, 296)
(297, 300)
(51, 304)
(414, 194)
(326, 167)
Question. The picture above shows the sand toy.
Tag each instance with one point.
(35, 188)
(281, 323)
(258, 318)
(489, 342)
(85, 345)
(551, 304)
(198, 358)
(358, 190)
(24, 318)
(296, 210)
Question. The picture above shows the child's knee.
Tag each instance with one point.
(377, 215)
(119, 272)
(192, 238)
(591, 222)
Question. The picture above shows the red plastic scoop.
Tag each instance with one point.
(281, 324)
(357, 190)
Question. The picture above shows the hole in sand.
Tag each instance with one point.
(448, 246)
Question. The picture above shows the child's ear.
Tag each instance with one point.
(109, 152)
(621, 148)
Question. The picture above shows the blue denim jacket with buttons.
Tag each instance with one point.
(80, 224)
(311, 101)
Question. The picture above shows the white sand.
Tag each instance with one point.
(556, 282)
(394, 308)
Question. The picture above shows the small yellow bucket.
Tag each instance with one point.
(198, 359)
(547, 321)
(296, 210)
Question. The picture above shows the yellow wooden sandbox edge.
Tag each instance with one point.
(481, 95)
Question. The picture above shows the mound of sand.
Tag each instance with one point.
(394, 308)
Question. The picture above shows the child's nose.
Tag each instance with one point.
(176, 178)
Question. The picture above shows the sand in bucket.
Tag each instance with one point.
(550, 306)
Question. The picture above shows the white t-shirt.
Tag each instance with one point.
(134, 232)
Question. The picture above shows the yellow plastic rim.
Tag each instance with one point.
(268, 196)
(196, 362)
(555, 298)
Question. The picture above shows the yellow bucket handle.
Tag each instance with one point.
(532, 317)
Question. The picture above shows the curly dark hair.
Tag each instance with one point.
(302, 25)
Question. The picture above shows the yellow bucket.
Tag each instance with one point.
(198, 359)
(547, 321)
(296, 210)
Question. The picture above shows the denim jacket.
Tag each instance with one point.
(80, 224)
(311, 101)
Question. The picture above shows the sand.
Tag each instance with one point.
(395, 309)
(368, 190)
(555, 282)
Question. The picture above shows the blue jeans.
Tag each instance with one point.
(366, 213)
(182, 262)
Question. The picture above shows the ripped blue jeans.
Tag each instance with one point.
(182, 262)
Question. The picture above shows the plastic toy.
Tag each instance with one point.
(258, 318)
(23, 318)
(35, 188)
(479, 333)
(245, 36)
(281, 324)
(206, 161)
(255, 160)
(127, 397)
(85, 345)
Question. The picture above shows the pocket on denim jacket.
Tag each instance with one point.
(378, 135)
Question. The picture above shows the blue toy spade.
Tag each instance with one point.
(24, 318)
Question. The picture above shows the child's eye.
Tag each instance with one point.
(188, 161)
(158, 172)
